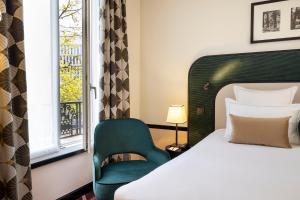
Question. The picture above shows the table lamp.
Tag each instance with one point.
(176, 115)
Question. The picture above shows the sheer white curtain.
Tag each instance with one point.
(42, 76)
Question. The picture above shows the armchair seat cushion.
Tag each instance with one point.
(125, 172)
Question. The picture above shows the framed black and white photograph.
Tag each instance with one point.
(295, 18)
(275, 20)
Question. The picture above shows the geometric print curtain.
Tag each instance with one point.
(15, 176)
(114, 81)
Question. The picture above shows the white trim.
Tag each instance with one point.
(86, 71)
(55, 67)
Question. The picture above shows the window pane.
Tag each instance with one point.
(42, 93)
(71, 101)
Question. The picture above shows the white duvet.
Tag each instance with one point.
(217, 170)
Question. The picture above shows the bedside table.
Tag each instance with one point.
(175, 150)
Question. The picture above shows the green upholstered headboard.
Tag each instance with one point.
(210, 73)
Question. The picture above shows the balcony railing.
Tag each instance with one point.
(71, 119)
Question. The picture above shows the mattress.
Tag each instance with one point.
(215, 169)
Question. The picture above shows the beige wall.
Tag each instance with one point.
(57, 179)
(162, 138)
(134, 39)
(174, 33)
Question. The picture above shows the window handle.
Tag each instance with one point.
(95, 90)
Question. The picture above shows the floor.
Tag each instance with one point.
(89, 196)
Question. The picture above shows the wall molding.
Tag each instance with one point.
(78, 192)
(165, 127)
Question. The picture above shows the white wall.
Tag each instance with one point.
(57, 179)
(174, 33)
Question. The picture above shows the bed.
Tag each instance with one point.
(214, 168)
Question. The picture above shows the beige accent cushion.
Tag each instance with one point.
(260, 131)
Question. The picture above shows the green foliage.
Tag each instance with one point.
(70, 84)
(70, 76)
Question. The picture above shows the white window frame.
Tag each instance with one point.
(55, 63)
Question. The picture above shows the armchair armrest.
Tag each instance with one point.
(158, 156)
(97, 161)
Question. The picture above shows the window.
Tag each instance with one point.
(56, 66)
(70, 70)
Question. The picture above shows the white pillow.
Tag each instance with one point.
(293, 110)
(265, 97)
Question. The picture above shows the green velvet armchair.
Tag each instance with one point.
(122, 136)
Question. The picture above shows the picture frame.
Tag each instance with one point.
(275, 20)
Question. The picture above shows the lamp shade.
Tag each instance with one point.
(176, 114)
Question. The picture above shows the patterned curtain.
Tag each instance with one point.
(115, 70)
(15, 176)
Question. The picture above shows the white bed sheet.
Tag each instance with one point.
(217, 170)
